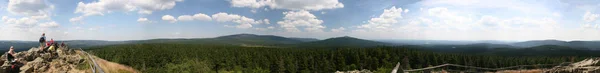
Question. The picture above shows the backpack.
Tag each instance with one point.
(42, 39)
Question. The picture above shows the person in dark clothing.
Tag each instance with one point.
(42, 42)
(11, 55)
(13, 61)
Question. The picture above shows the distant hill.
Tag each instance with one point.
(257, 39)
(441, 42)
(18, 45)
(469, 48)
(305, 39)
(547, 50)
(236, 39)
(592, 45)
(342, 42)
(90, 43)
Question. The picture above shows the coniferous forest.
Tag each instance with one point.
(202, 58)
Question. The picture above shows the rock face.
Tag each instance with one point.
(590, 65)
(32, 61)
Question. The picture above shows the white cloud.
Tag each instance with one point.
(148, 6)
(144, 20)
(289, 4)
(253, 11)
(169, 18)
(26, 27)
(589, 17)
(441, 23)
(202, 17)
(270, 27)
(302, 18)
(185, 18)
(29, 7)
(385, 20)
(101, 7)
(249, 3)
(25, 22)
(244, 22)
(244, 26)
(224, 17)
(49, 24)
(78, 20)
(266, 21)
(198, 16)
(341, 29)
(261, 29)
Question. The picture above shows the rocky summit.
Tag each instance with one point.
(589, 65)
(32, 61)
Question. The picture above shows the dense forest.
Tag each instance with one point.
(202, 58)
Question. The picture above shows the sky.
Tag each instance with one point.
(115, 20)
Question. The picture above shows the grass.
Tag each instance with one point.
(122, 71)
(85, 64)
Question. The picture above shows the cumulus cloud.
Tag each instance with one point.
(289, 4)
(341, 29)
(244, 22)
(148, 6)
(270, 27)
(385, 20)
(29, 7)
(49, 24)
(25, 22)
(144, 20)
(185, 18)
(224, 17)
(22, 28)
(201, 16)
(78, 19)
(102, 7)
(266, 21)
(589, 16)
(294, 19)
(434, 22)
(169, 18)
(198, 16)
(106, 6)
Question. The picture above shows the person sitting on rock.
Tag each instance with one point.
(48, 46)
(62, 44)
(11, 55)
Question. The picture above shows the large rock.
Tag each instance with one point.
(591, 65)
(26, 69)
(64, 60)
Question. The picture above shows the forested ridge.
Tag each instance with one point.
(196, 58)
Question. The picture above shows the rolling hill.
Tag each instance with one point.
(342, 42)
(469, 48)
(236, 39)
(257, 39)
(592, 45)
(546, 50)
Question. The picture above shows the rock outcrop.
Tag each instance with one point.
(590, 65)
(32, 61)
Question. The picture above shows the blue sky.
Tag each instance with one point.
(510, 20)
